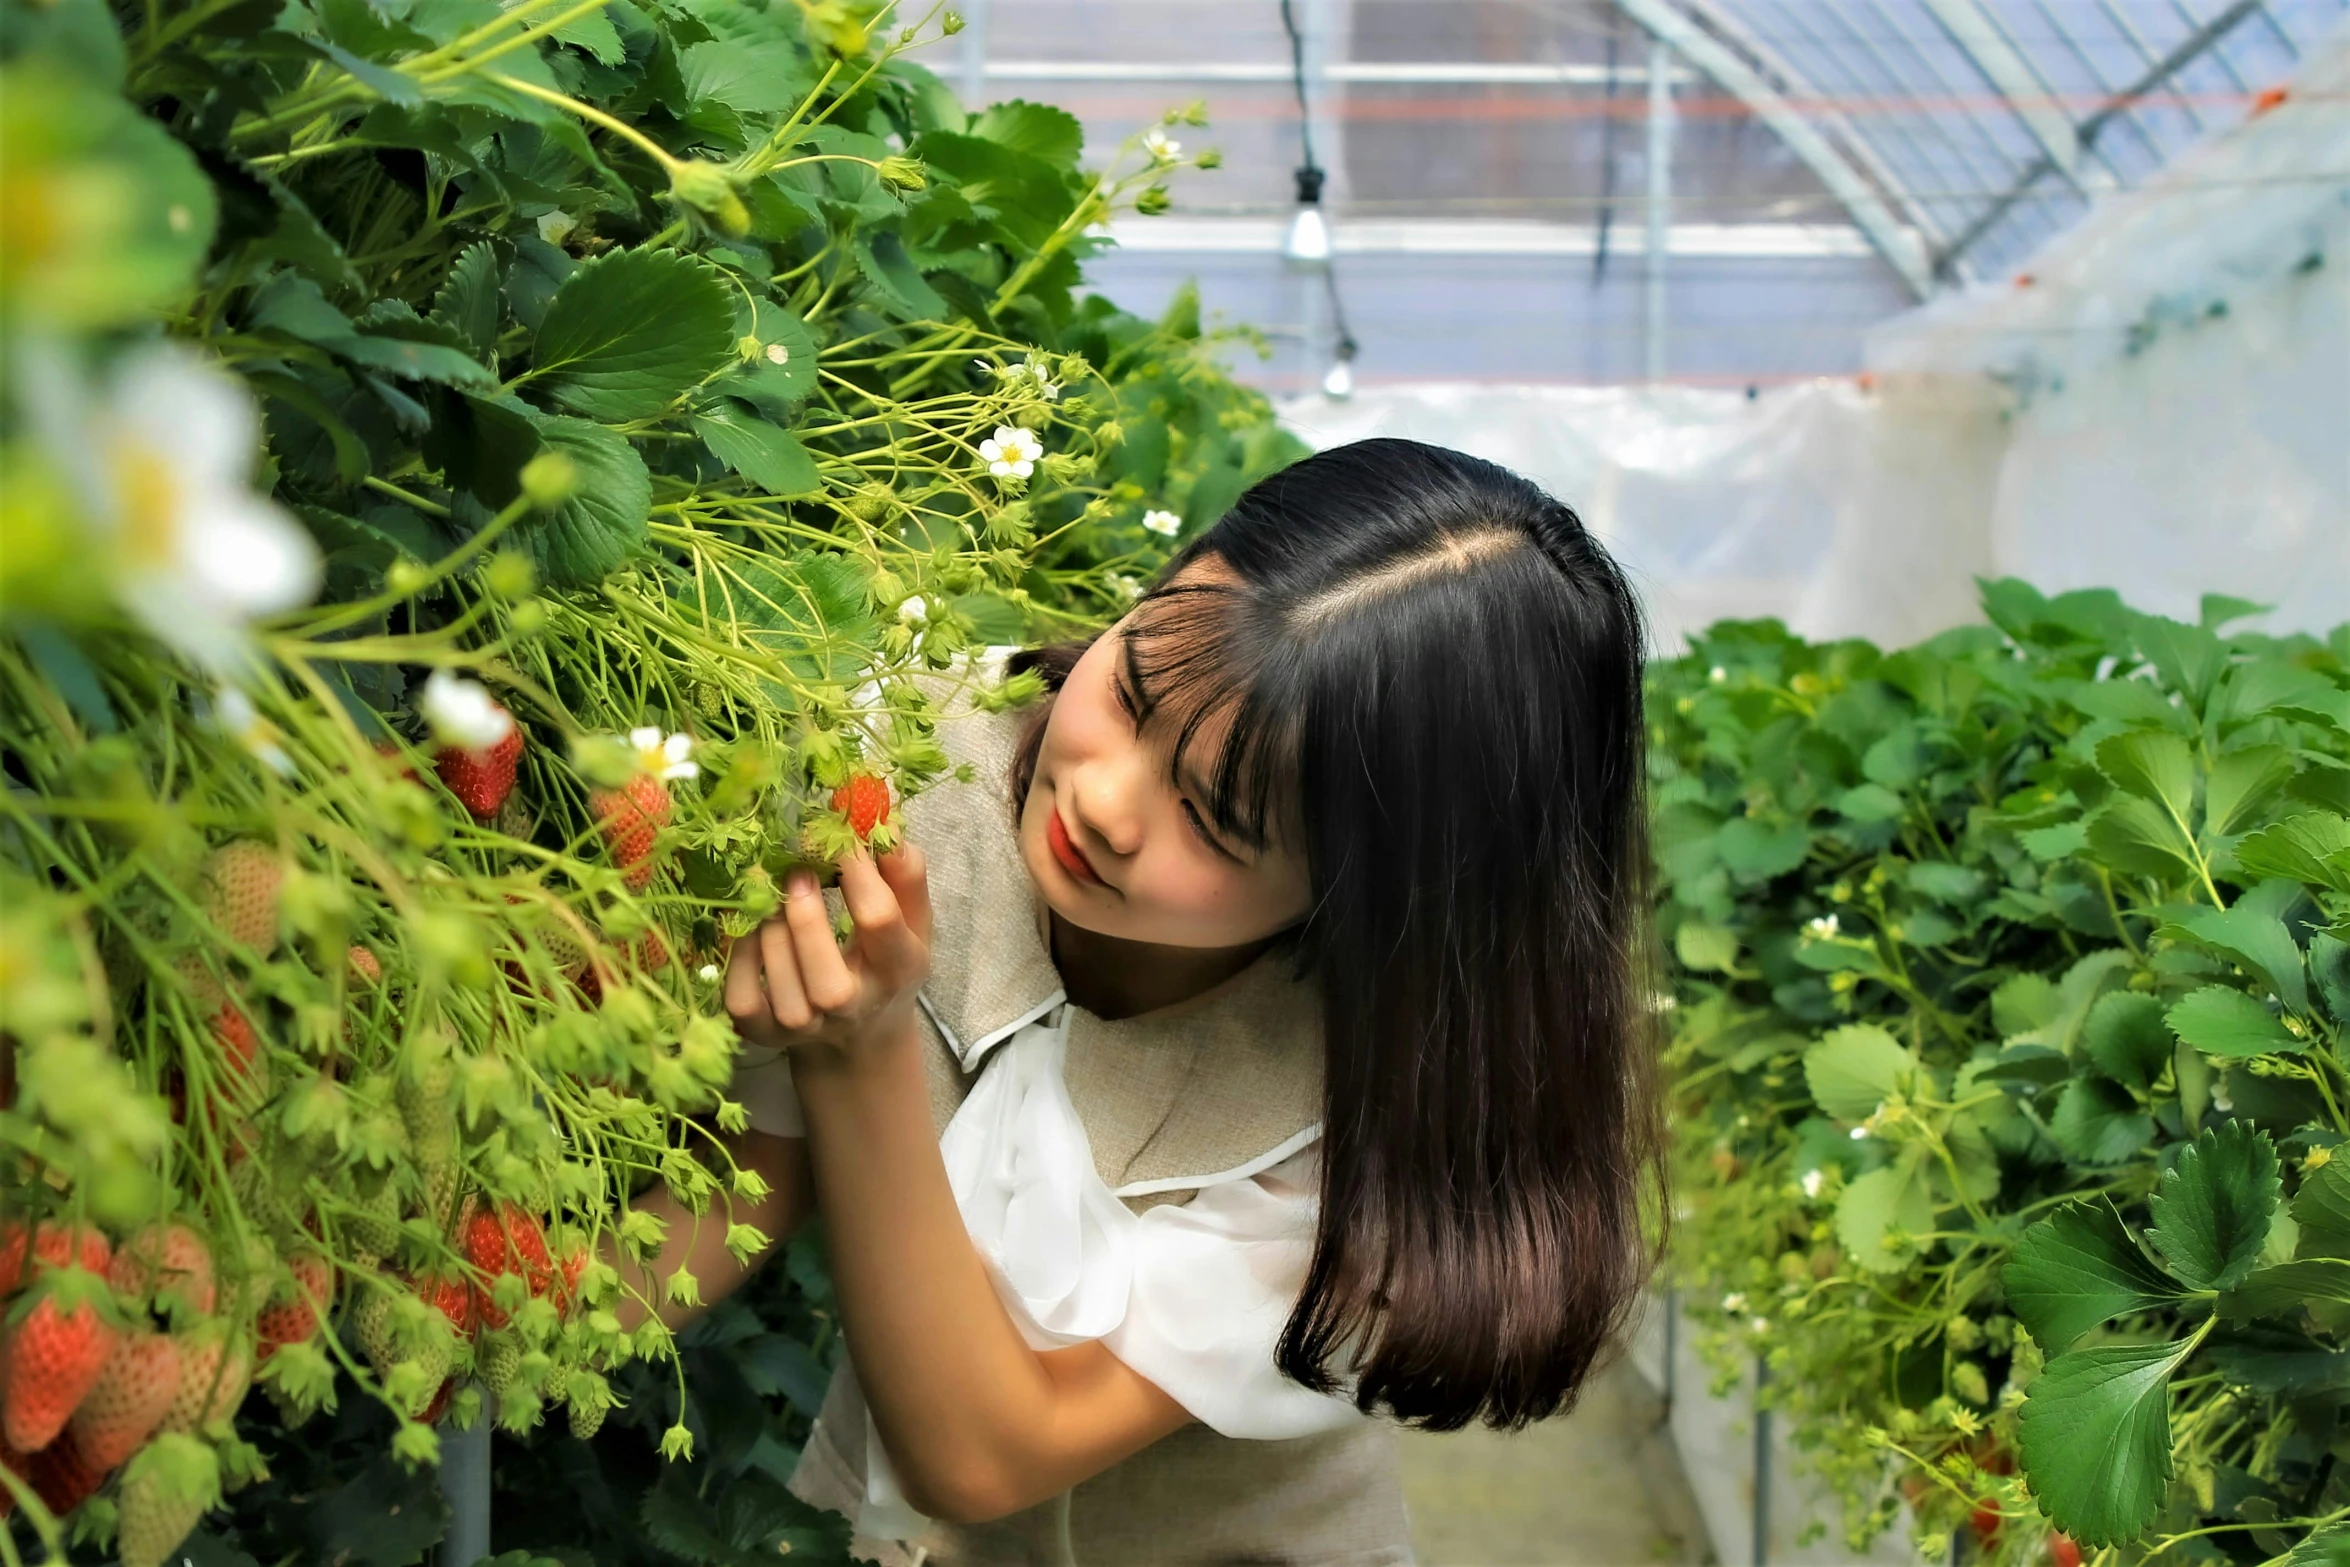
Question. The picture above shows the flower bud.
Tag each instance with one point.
(1153, 201)
(900, 173)
(510, 574)
(950, 24)
(548, 479)
(709, 190)
(1210, 158)
(406, 577)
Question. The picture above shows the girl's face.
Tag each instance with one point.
(1119, 850)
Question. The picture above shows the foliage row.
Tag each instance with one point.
(478, 479)
(2012, 988)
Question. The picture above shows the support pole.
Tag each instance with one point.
(1660, 197)
(972, 63)
(1762, 1466)
(465, 1486)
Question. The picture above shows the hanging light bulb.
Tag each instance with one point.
(1339, 384)
(1308, 243)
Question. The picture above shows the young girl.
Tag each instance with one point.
(1257, 1048)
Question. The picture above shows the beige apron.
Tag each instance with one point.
(1222, 1087)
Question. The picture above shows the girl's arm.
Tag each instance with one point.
(698, 1243)
(977, 1424)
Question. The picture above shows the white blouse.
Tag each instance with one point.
(1192, 1295)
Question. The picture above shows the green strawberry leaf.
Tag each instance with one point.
(2153, 766)
(1853, 1069)
(2241, 784)
(1756, 851)
(2211, 1213)
(1883, 1213)
(2224, 1022)
(2259, 942)
(2099, 1122)
(603, 522)
(770, 457)
(2095, 1439)
(2075, 1269)
(2137, 838)
(2287, 1287)
(2322, 1206)
(2124, 1038)
(632, 331)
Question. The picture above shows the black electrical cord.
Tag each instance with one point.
(1310, 174)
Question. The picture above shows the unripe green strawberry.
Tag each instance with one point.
(481, 780)
(168, 1262)
(425, 1094)
(375, 1229)
(367, 970)
(150, 1522)
(371, 1325)
(587, 1419)
(496, 1360)
(215, 1370)
(241, 885)
(630, 817)
(129, 1399)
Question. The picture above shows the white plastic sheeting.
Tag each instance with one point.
(2161, 405)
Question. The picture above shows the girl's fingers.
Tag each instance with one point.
(891, 951)
(823, 971)
(746, 1003)
(786, 997)
(908, 875)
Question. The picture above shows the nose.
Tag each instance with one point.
(1106, 795)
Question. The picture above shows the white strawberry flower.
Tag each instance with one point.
(1034, 370)
(663, 756)
(462, 712)
(778, 354)
(1164, 523)
(707, 972)
(234, 711)
(162, 460)
(1812, 1180)
(1011, 453)
(1823, 929)
(914, 609)
(1733, 1303)
(1161, 146)
(556, 226)
(1127, 588)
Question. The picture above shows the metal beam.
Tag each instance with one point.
(1431, 73)
(1673, 23)
(1981, 40)
(2189, 49)
(1660, 201)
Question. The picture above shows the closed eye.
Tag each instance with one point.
(1199, 827)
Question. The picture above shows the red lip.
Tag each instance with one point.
(1056, 835)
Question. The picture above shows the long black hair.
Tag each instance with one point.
(1431, 673)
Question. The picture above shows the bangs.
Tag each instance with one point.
(1202, 677)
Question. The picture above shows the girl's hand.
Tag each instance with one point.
(793, 986)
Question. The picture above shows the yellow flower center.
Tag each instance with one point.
(148, 494)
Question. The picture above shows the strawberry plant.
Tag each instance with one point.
(478, 480)
(2011, 984)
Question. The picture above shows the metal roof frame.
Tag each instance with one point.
(1696, 30)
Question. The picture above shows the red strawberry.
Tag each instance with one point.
(630, 816)
(54, 1353)
(864, 800)
(440, 1402)
(62, 1478)
(169, 1262)
(15, 1240)
(366, 968)
(567, 1288)
(452, 1298)
(294, 1318)
(507, 1241)
(129, 1399)
(481, 780)
(242, 882)
(2062, 1552)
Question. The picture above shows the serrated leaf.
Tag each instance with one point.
(2211, 1213)
(2221, 1021)
(603, 522)
(882, 257)
(2327, 1547)
(595, 34)
(632, 331)
(2329, 969)
(2155, 767)
(2287, 1287)
(2322, 1206)
(2124, 1038)
(2076, 1269)
(2257, 941)
(468, 299)
(2098, 1122)
(746, 77)
(1891, 1201)
(2059, 842)
(2095, 1439)
(1756, 851)
(770, 457)
(2312, 848)
(2188, 658)
(1039, 130)
(1852, 1070)
(2137, 838)
(1870, 803)
(2241, 785)
(1704, 947)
